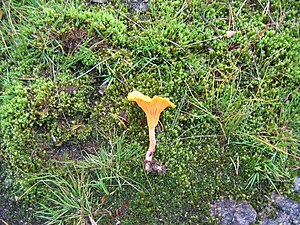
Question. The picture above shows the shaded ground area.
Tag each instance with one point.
(12, 211)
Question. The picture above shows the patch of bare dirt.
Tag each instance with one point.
(72, 39)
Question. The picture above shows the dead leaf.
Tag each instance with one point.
(230, 33)
(102, 89)
(1, 14)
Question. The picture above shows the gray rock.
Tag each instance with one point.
(231, 213)
(297, 185)
(140, 5)
(288, 212)
(99, 1)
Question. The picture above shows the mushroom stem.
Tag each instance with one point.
(152, 143)
(150, 163)
(149, 155)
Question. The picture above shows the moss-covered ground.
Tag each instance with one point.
(73, 146)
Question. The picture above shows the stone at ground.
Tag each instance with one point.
(99, 1)
(297, 185)
(12, 211)
(288, 212)
(231, 213)
(140, 5)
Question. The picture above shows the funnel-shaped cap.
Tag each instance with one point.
(151, 106)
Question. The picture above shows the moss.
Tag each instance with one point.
(237, 98)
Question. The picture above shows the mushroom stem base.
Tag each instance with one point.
(152, 166)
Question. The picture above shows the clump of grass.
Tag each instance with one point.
(71, 200)
(78, 196)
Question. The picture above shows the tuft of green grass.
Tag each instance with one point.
(71, 200)
(82, 193)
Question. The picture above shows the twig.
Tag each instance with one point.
(92, 221)
(257, 37)
(5, 45)
(236, 165)
(9, 17)
(5, 223)
(272, 146)
(200, 42)
(238, 12)
(267, 11)
(201, 136)
(210, 24)
(174, 43)
(91, 69)
(180, 10)
(134, 22)
(281, 15)
(231, 18)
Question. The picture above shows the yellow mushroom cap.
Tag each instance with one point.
(151, 106)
